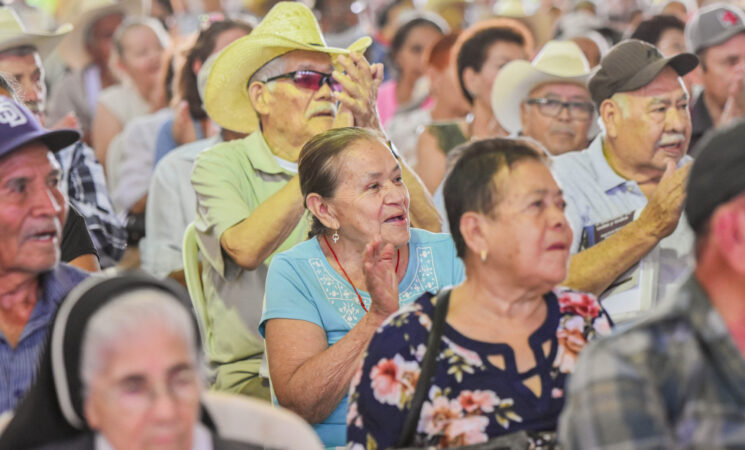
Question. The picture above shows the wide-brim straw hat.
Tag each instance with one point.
(82, 14)
(557, 62)
(287, 26)
(14, 34)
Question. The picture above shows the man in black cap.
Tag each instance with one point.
(677, 379)
(626, 190)
(32, 212)
(716, 34)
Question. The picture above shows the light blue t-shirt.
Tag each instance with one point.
(301, 284)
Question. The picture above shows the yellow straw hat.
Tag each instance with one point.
(287, 26)
(557, 62)
(13, 34)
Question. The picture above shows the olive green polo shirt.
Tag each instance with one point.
(231, 180)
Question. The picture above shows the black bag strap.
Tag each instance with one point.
(428, 369)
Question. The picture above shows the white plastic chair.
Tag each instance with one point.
(244, 419)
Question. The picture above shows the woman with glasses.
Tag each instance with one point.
(326, 296)
(506, 338)
(121, 371)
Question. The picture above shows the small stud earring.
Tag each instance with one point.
(335, 236)
(483, 255)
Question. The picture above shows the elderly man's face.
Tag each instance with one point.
(28, 72)
(654, 125)
(561, 120)
(147, 394)
(32, 210)
(299, 113)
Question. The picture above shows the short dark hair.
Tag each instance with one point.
(470, 184)
(202, 49)
(651, 30)
(474, 51)
(317, 165)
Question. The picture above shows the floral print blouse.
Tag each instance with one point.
(476, 393)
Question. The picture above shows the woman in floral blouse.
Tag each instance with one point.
(511, 336)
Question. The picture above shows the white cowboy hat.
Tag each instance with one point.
(14, 34)
(287, 26)
(83, 13)
(557, 62)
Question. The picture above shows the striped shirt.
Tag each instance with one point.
(674, 380)
(18, 365)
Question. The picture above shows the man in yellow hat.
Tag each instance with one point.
(547, 99)
(280, 80)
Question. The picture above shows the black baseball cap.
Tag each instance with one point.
(717, 175)
(19, 127)
(632, 64)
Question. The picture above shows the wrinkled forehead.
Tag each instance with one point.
(35, 155)
(307, 60)
(561, 89)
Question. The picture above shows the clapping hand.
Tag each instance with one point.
(360, 82)
(379, 267)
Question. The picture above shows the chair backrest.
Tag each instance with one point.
(190, 251)
(248, 420)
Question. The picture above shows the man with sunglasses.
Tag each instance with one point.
(625, 192)
(547, 99)
(284, 85)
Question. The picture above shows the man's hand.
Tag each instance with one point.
(69, 121)
(360, 82)
(183, 128)
(663, 210)
(381, 277)
(734, 107)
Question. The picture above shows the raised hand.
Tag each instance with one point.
(663, 210)
(379, 267)
(360, 82)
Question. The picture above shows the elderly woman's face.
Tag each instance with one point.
(147, 395)
(529, 238)
(371, 198)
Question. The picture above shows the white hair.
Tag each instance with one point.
(274, 67)
(132, 313)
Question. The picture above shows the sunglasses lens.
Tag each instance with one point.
(309, 80)
(335, 85)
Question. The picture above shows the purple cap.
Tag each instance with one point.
(18, 127)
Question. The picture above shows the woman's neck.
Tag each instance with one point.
(440, 111)
(484, 124)
(346, 256)
(404, 89)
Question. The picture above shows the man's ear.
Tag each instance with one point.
(319, 207)
(259, 95)
(610, 113)
(472, 228)
(728, 228)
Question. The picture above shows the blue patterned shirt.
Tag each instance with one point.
(18, 365)
(302, 285)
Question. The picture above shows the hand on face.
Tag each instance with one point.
(379, 267)
(662, 213)
(360, 82)
(734, 107)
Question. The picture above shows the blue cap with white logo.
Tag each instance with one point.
(19, 127)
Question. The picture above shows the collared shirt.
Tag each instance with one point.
(171, 207)
(231, 180)
(701, 122)
(675, 380)
(596, 194)
(85, 184)
(18, 365)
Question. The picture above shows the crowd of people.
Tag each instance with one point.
(372, 224)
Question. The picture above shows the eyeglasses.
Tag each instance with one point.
(551, 107)
(137, 395)
(309, 79)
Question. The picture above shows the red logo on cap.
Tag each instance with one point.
(729, 19)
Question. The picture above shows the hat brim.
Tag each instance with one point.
(55, 140)
(226, 94)
(44, 43)
(512, 86)
(72, 48)
(682, 63)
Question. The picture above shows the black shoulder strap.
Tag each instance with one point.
(428, 369)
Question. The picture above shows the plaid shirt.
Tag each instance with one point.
(674, 380)
(85, 185)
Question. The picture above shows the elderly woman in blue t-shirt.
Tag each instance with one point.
(326, 297)
(509, 336)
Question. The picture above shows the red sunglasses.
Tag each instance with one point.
(310, 79)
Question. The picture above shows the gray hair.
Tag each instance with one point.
(135, 21)
(274, 67)
(129, 314)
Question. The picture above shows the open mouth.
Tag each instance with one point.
(401, 218)
(43, 236)
(671, 147)
(557, 246)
